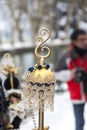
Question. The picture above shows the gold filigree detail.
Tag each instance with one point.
(37, 81)
(44, 35)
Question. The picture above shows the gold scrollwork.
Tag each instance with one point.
(44, 35)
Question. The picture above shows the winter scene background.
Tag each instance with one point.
(20, 21)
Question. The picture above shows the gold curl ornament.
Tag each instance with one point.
(44, 35)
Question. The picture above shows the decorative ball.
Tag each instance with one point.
(7, 83)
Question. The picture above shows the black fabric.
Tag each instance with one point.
(2, 98)
(16, 122)
(81, 52)
(3, 108)
(7, 83)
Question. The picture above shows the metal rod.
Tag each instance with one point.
(41, 120)
(11, 80)
(41, 110)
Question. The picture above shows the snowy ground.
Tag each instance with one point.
(61, 118)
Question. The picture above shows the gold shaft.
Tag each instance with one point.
(11, 80)
(41, 110)
(41, 120)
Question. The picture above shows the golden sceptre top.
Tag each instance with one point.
(40, 77)
(44, 35)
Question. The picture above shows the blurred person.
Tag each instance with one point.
(72, 69)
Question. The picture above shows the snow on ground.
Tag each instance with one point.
(61, 118)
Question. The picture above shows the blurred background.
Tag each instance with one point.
(20, 21)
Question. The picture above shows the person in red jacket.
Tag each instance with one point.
(72, 68)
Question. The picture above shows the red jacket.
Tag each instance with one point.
(67, 62)
(75, 88)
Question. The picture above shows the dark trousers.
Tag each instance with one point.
(2, 128)
(79, 116)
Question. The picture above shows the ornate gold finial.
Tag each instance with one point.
(40, 78)
(10, 66)
(44, 35)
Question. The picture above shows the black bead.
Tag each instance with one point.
(47, 66)
(31, 69)
(38, 84)
(46, 84)
(39, 67)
